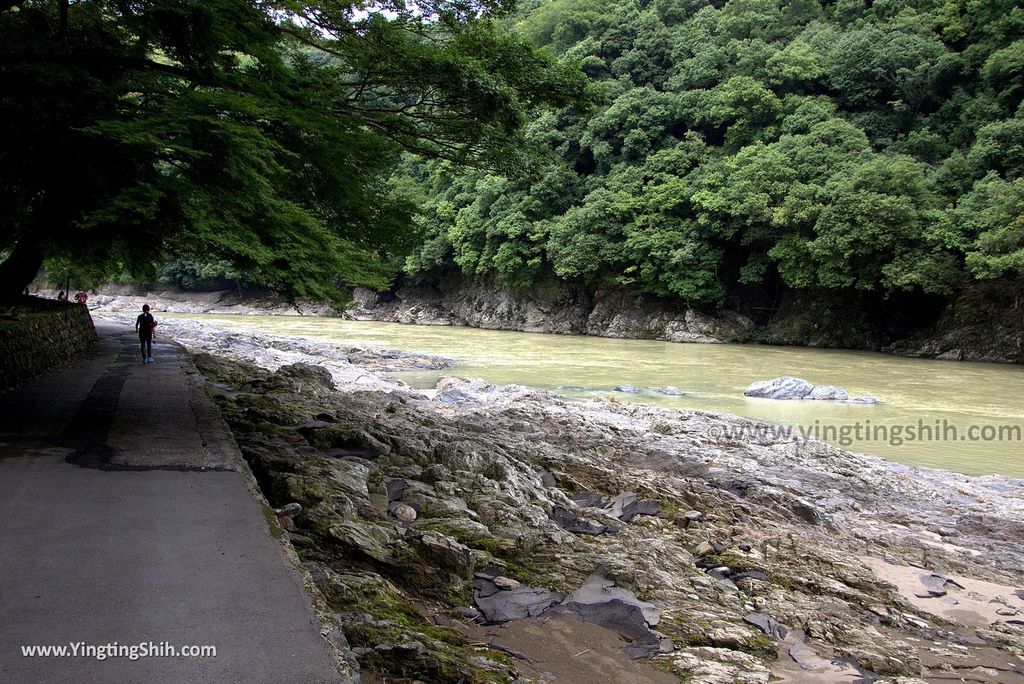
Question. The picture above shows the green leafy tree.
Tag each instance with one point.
(871, 218)
(755, 144)
(257, 133)
(1003, 72)
(992, 215)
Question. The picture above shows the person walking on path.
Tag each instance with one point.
(144, 325)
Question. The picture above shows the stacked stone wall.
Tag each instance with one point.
(41, 336)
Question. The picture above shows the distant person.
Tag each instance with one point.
(62, 296)
(81, 297)
(144, 325)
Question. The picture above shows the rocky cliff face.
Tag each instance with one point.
(984, 323)
(549, 308)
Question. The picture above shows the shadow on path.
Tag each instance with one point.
(126, 520)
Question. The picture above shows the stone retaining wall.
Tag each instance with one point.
(42, 335)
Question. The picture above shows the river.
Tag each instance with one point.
(964, 417)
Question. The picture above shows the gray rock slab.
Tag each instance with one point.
(570, 522)
(828, 393)
(599, 588)
(785, 387)
(767, 624)
(789, 388)
(627, 506)
(498, 605)
(589, 500)
(600, 601)
(806, 658)
(620, 617)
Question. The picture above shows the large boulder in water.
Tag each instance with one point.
(786, 387)
(828, 393)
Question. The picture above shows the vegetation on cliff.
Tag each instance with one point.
(843, 146)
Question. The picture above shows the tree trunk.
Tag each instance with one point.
(19, 269)
(64, 24)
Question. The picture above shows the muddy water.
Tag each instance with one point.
(960, 416)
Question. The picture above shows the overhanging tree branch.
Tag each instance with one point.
(71, 59)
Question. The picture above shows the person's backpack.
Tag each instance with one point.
(146, 324)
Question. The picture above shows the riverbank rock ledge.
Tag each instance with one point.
(788, 387)
(543, 523)
(549, 307)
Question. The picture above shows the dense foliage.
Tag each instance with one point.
(847, 145)
(250, 135)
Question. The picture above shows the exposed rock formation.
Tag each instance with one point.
(696, 533)
(552, 308)
(984, 323)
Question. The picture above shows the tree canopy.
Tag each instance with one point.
(845, 145)
(254, 134)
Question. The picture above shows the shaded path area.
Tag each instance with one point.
(125, 519)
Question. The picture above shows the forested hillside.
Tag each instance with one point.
(854, 162)
(840, 147)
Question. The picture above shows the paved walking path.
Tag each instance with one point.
(124, 518)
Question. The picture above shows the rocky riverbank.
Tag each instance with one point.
(483, 533)
(985, 323)
(353, 367)
(560, 309)
(126, 299)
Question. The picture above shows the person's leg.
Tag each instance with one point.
(142, 342)
(149, 349)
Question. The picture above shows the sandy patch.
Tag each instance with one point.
(788, 671)
(986, 664)
(977, 604)
(566, 650)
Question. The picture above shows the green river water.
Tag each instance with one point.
(982, 403)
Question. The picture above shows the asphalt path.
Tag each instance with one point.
(125, 519)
